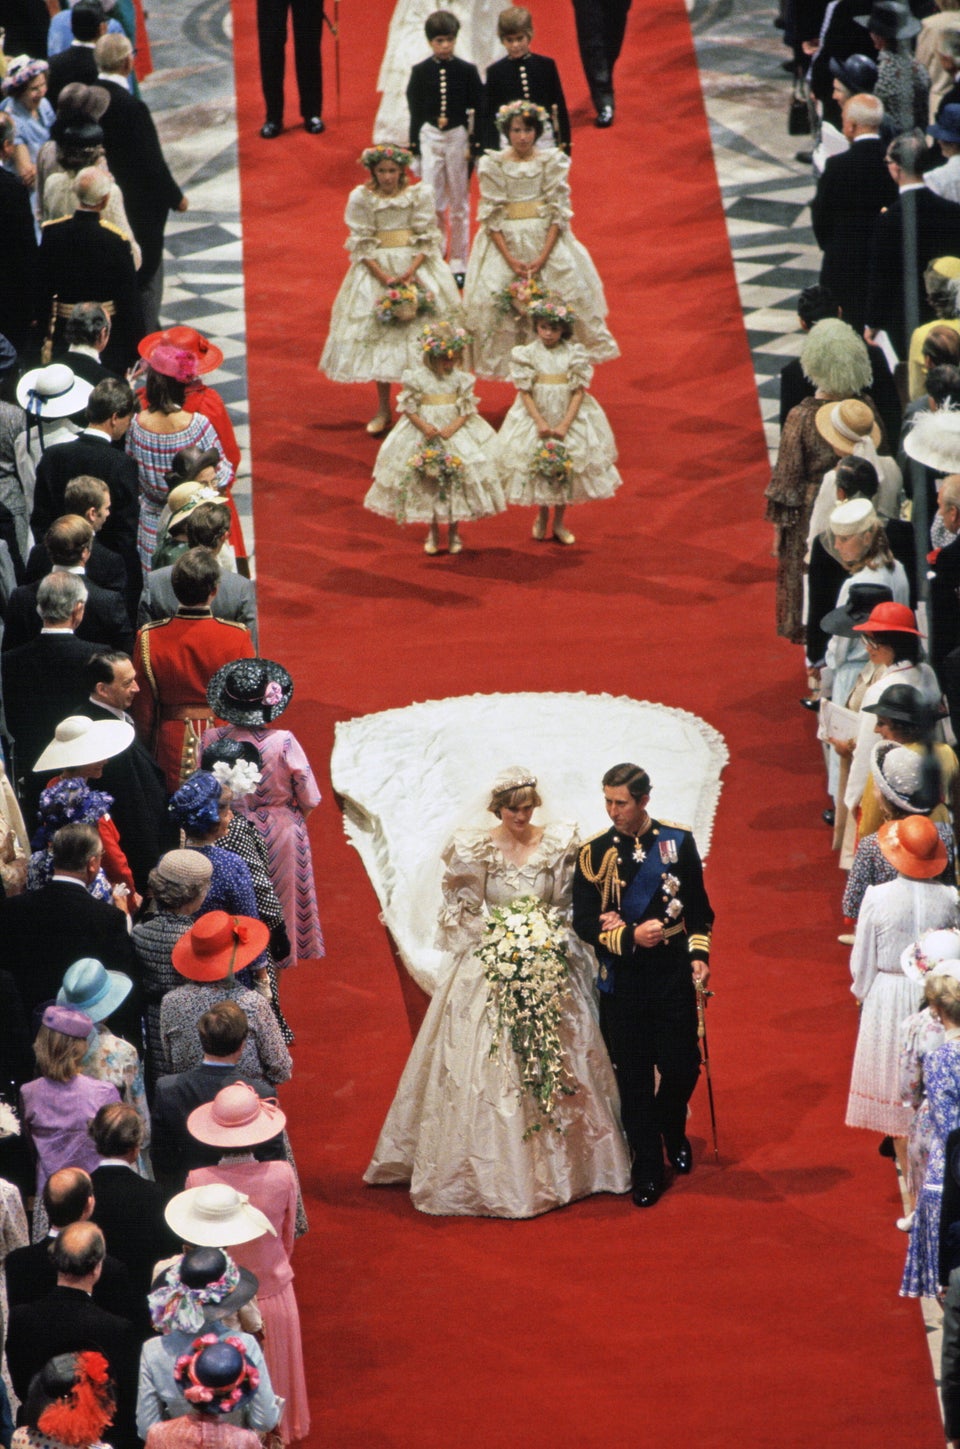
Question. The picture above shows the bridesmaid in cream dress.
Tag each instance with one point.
(459, 1130)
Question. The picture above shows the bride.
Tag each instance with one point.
(478, 1127)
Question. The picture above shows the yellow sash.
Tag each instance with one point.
(402, 237)
(438, 399)
(521, 210)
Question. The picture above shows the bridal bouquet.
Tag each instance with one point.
(403, 302)
(433, 468)
(523, 952)
(552, 462)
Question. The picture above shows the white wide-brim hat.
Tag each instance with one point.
(53, 392)
(81, 741)
(934, 440)
(216, 1216)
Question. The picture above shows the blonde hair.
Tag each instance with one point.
(945, 996)
(877, 556)
(57, 1055)
(513, 798)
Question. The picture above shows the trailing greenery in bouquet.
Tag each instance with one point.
(433, 468)
(552, 462)
(403, 302)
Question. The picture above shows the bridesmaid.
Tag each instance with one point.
(251, 694)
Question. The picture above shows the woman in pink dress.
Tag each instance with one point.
(251, 694)
(236, 1121)
(215, 1378)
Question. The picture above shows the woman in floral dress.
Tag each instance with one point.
(462, 1131)
(942, 1079)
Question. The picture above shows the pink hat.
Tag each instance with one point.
(237, 1117)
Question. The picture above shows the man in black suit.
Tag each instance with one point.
(30, 1272)
(601, 25)
(18, 293)
(68, 1321)
(87, 498)
(223, 1030)
(88, 22)
(43, 681)
(85, 337)
(938, 235)
(133, 778)
(134, 156)
(68, 542)
(110, 408)
(129, 1208)
(272, 41)
(852, 192)
(45, 931)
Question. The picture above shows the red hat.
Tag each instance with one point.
(208, 356)
(889, 618)
(217, 945)
(913, 847)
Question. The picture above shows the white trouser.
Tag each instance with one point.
(443, 166)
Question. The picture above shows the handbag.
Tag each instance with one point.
(798, 116)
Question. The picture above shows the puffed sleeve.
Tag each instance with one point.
(523, 367)
(493, 191)
(411, 391)
(464, 879)
(466, 397)
(565, 841)
(579, 367)
(555, 199)
(360, 218)
(423, 219)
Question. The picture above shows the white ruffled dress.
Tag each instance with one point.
(550, 375)
(522, 200)
(456, 1127)
(391, 229)
(438, 400)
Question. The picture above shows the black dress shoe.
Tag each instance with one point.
(811, 703)
(645, 1194)
(680, 1157)
(314, 126)
(270, 130)
(459, 279)
(886, 1147)
(829, 817)
(604, 117)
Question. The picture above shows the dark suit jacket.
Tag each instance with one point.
(945, 603)
(18, 293)
(844, 38)
(68, 1320)
(851, 193)
(139, 810)
(172, 1150)
(129, 1211)
(103, 567)
(464, 92)
(76, 63)
(235, 599)
(31, 1276)
(85, 259)
(43, 682)
(105, 620)
(86, 367)
(504, 84)
(45, 931)
(16, 1039)
(94, 454)
(134, 156)
(938, 235)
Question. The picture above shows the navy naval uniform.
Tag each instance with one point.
(534, 78)
(648, 1009)
(84, 258)
(441, 95)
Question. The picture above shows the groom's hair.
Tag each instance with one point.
(636, 780)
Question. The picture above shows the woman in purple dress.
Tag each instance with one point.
(251, 694)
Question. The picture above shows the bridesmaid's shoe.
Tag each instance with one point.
(377, 426)
(563, 535)
(455, 544)
(539, 529)
(431, 544)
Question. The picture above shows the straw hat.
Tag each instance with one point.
(251, 692)
(217, 945)
(913, 847)
(216, 1216)
(79, 741)
(53, 392)
(920, 957)
(237, 1117)
(207, 355)
(91, 988)
(199, 493)
(934, 440)
(844, 424)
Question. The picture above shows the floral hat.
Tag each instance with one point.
(920, 957)
(196, 805)
(175, 362)
(21, 70)
(66, 803)
(216, 1376)
(386, 151)
(527, 109)
(251, 692)
(202, 1286)
(552, 308)
(443, 339)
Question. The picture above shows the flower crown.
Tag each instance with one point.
(441, 339)
(552, 309)
(373, 155)
(525, 109)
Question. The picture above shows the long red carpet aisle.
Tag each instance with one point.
(757, 1303)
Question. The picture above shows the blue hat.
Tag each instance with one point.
(91, 988)
(858, 73)
(947, 125)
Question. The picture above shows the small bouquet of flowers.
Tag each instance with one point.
(433, 468)
(520, 295)
(404, 302)
(523, 952)
(552, 462)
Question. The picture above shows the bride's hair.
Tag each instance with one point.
(513, 787)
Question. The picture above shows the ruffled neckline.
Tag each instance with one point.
(477, 845)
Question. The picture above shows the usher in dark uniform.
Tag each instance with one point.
(648, 1009)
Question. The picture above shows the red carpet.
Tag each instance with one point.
(757, 1304)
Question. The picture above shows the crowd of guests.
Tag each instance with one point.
(865, 503)
(155, 866)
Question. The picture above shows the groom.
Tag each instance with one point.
(639, 901)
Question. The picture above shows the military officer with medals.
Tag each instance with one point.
(640, 902)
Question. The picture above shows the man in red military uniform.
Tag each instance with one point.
(175, 660)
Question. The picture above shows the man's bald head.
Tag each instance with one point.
(78, 1253)
(67, 1196)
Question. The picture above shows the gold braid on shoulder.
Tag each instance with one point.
(606, 876)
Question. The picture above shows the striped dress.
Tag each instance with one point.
(154, 453)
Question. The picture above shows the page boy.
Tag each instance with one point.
(523, 76)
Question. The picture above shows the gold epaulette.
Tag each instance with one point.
(676, 825)
(153, 624)
(606, 876)
(54, 221)
(234, 623)
(117, 231)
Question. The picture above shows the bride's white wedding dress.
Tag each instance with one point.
(456, 1127)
